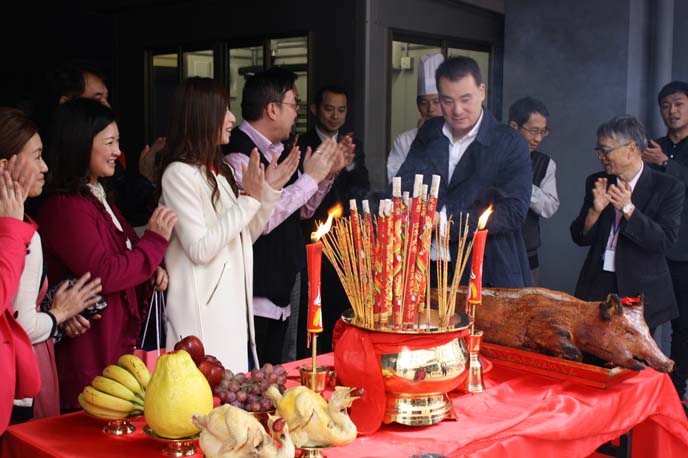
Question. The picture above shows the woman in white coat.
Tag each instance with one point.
(210, 256)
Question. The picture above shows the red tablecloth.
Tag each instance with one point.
(518, 415)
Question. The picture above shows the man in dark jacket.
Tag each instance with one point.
(630, 219)
(669, 154)
(481, 162)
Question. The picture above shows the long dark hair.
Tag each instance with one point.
(196, 120)
(15, 130)
(70, 141)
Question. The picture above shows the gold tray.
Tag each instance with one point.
(458, 322)
(550, 366)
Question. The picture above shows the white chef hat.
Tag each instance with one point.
(427, 65)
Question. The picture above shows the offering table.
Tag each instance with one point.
(518, 414)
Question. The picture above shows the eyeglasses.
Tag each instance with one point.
(534, 132)
(294, 105)
(607, 151)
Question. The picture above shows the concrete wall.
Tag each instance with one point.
(574, 56)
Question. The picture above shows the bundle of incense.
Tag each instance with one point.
(397, 274)
(409, 304)
(388, 259)
(425, 241)
(369, 248)
(358, 243)
(338, 246)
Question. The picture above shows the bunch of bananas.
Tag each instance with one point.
(119, 392)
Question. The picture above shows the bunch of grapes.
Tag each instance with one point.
(246, 391)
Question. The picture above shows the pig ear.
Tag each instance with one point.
(612, 306)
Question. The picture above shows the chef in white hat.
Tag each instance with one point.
(428, 106)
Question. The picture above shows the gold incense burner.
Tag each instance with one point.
(417, 381)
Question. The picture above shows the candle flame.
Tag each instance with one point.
(324, 228)
(482, 221)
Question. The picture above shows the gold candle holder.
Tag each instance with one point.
(474, 381)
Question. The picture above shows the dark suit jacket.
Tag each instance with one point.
(495, 169)
(347, 185)
(642, 246)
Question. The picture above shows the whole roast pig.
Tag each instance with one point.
(561, 325)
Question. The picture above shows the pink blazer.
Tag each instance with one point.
(17, 361)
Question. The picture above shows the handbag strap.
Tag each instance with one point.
(153, 304)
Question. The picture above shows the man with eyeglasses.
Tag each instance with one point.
(529, 117)
(630, 219)
(482, 162)
(269, 107)
(669, 154)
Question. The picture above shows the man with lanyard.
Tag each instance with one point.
(630, 219)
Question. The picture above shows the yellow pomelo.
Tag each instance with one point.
(176, 391)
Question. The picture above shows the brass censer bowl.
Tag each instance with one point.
(417, 381)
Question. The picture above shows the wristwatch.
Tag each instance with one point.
(628, 208)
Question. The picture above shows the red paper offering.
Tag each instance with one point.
(398, 261)
(410, 304)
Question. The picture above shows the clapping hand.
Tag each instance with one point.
(11, 198)
(600, 197)
(347, 150)
(147, 158)
(619, 194)
(319, 163)
(253, 176)
(277, 175)
(67, 302)
(162, 222)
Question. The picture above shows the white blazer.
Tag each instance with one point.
(210, 263)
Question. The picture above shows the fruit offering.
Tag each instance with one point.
(209, 365)
(119, 392)
(177, 390)
(247, 391)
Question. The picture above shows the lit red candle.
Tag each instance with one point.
(476, 280)
(314, 257)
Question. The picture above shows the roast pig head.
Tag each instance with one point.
(623, 336)
(561, 325)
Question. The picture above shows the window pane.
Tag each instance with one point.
(483, 60)
(164, 84)
(404, 75)
(243, 62)
(198, 63)
(292, 54)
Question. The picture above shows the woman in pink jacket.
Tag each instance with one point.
(17, 364)
(82, 231)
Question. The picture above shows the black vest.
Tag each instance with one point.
(531, 226)
(279, 255)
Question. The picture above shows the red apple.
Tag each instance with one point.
(193, 346)
(213, 373)
(212, 359)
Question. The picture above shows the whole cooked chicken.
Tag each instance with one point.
(230, 432)
(312, 421)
